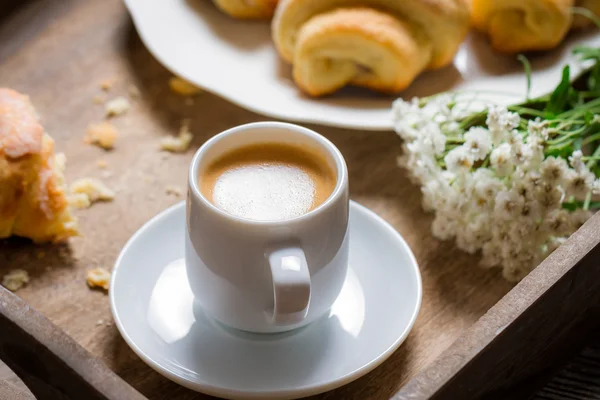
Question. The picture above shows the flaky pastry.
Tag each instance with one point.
(247, 9)
(379, 44)
(523, 25)
(33, 202)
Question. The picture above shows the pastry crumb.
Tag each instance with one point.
(79, 200)
(183, 87)
(107, 84)
(15, 279)
(133, 91)
(101, 164)
(98, 99)
(117, 106)
(94, 189)
(98, 277)
(174, 191)
(103, 135)
(181, 142)
(100, 322)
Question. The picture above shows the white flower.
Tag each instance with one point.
(478, 142)
(532, 211)
(509, 204)
(510, 209)
(501, 122)
(579, 184)
(443, 228)
(579, 217)
(459, 160)
(492, 254)
(548, 196)
(501, 159)
(576, 160)
(596, 187)
(534, 153)
(537, 127)
(558, 223)
(553, 170)
(487, 186)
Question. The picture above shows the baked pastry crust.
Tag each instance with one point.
(379, 44)
(247, 9)
(523, 25)
(33, 201)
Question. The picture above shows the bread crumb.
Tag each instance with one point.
(183, 87)
(107, 84)
(189, 101)
(117, 106)
(98, 277)
(101, 164)
(133, 91)
(94, 189)
(79, 200)
(103, 135)
(181, 142)
(60, 161)
(15, 279)
(98, 99)
(100, 322)
(174, 191)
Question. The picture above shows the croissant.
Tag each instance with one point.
(246, 9)
(523, 25)
(33, 202)
(379, 44)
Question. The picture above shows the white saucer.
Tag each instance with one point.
(153, 307)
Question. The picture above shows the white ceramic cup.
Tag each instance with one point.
(266, 276)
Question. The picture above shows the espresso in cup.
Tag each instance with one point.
(267, 242)
(268, 181)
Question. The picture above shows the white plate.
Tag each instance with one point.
(237, 61)
(153, 307)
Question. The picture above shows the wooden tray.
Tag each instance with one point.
(470, 340)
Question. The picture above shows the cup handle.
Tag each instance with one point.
(291, 285)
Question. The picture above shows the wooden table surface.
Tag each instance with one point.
(58, 52)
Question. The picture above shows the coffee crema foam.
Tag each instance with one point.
(268, 182)
(265, 192)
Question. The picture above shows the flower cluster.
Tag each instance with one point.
(493, 187)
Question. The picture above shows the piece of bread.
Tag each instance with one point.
(523, 25)
(247, 9)
(33, 201)
(379, 44)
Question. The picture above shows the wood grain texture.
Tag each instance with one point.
(527, 333)
(579, 379)
(58, 52)
(49, 362)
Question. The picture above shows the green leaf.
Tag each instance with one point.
(560, 96)
(527, 68)
(586, 13)
(575, 204)
(588, 117)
